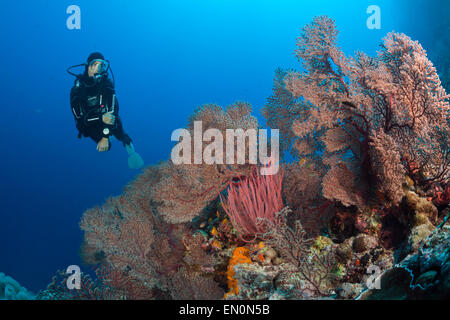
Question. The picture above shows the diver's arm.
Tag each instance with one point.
(112, 106)
(111, 98)
(75, 102)
(76, 105)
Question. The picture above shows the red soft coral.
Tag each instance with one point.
(253, 202)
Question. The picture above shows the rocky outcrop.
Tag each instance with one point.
(423, 274)
(10, 289)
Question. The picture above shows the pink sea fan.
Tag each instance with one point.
(350, 110)
(388, 169)
(185, 189)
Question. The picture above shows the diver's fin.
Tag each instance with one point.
(134, 159)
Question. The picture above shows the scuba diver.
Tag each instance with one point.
(96, 110)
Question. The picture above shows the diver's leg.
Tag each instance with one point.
(134, 159)
(120, 134)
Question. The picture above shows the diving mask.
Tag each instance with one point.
(102, 65)
(102, 69)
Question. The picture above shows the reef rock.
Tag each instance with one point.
(418, 234)
(273, 282)
(423, 274)
(10, 289)
(364, 242)
(349, 290)
(420, 206)
(255, 282)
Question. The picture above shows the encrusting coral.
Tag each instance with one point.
(240, 255)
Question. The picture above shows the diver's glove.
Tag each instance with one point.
(134, 159)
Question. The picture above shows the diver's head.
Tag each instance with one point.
(96, 64)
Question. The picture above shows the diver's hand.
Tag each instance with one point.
(103, 145)
(109, 118)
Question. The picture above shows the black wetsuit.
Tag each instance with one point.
(89, 101)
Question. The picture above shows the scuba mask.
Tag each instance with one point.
(103, 67)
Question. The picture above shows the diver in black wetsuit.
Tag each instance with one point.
(96, 110)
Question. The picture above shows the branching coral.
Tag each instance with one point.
(281, 110)
(295, 247)
(133, 243)
(390, 169)
(185, 189)
(187, 285)
(353, 102)
(302, 192)
(111, 284)
(127, 235)
(125, 241)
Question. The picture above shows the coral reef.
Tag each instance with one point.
(367, 190)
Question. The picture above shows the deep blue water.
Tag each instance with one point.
(168, 57)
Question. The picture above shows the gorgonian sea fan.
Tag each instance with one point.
(348, 109)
